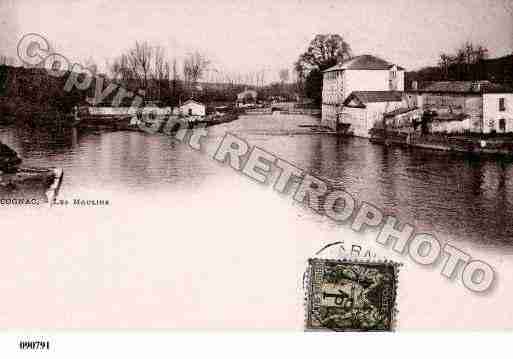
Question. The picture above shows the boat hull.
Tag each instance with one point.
(40, 184)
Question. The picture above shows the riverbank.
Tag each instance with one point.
(284, 111)
(463, 143)
(159, 123)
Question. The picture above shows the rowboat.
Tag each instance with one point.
(31, 183)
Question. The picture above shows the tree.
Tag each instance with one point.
(300, 71)
(313, 85)
(146, 67)
(323, 52)
(194, 66)
(134, 65)
(443, 64)
(284, 75)
(176, 88)
(139, 62)
(119, 70)
(161, 72)
(465, 64)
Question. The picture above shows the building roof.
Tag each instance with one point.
(192, 101)
(400, 111)
(447, 117)
(363, 62)
(364, 97)
(476, 87)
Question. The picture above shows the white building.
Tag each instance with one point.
(122, 111)
(498, 111)
(404, 119)
(362, 73)
(191, 108)
(450, 123)
(247, 95)
(363, 110)
(488, 106)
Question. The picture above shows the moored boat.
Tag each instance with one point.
(30, 183)
(26, 183)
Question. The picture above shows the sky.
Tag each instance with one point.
(261, 35)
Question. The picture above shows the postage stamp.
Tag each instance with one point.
(351, 295)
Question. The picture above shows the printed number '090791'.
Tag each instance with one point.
(34, 345)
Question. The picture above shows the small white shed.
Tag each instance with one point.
(192, 108)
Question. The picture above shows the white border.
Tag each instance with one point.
(249, 345)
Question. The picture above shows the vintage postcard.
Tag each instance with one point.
(256, 165)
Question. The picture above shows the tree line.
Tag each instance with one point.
(469, 62)
(146, 68)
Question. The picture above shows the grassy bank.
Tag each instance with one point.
(34, 96)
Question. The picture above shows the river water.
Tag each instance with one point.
(457, 196)
(187, 242)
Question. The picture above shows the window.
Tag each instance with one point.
(502, 125)
(190, 112)
(502, 104)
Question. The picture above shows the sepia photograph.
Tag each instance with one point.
(293, 165)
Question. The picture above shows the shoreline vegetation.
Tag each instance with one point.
(31, 96)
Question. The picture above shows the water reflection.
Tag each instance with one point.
(455, 195)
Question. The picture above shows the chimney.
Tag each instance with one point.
(414, 85)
